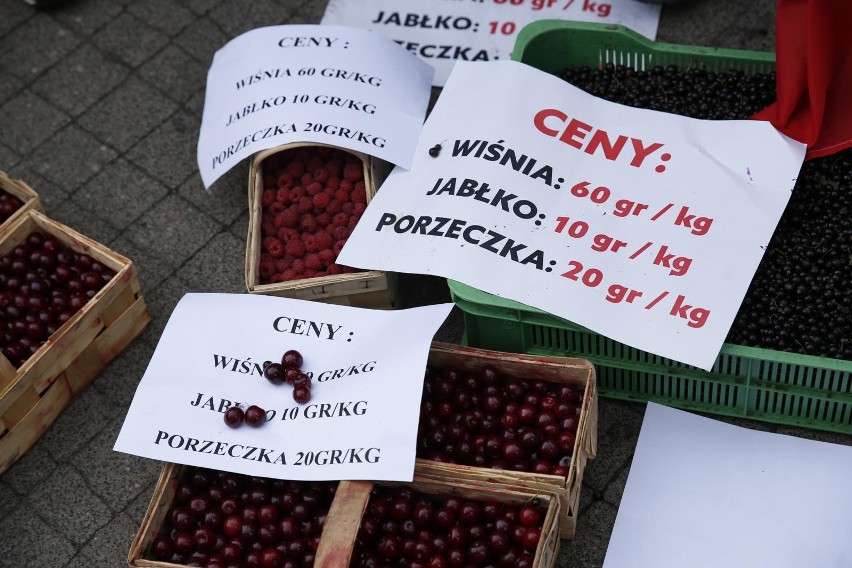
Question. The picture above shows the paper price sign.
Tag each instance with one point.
(366, 369)
(341, 86)
(442, 32)
(643, 226)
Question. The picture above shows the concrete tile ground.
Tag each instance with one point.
(100, 104)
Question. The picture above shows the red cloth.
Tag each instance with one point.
(814, 74)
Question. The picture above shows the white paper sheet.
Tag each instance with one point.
(652, 243)
(361, 421)
(705, 494)
(444, 32)
(306, 83)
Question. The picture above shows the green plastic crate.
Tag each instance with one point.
(762, 384)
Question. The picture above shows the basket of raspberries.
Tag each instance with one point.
(304, 202)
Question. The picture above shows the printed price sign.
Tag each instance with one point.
(342, 86)
(366, 369)
(643, 226)
(443, 32)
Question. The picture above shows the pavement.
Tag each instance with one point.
(100, 108)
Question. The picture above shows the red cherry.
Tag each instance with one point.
(531, 538)
(234, 416)
(529, 516)
(255, 416)
(302, 380)
(301, 394)
(274, 373)
(292, 359)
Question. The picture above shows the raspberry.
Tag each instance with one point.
(276, 279)
(295, 248)
(274, 247)
(268, 197)
(267, 229)
(296, 194)
(341, 220)
(347, 186)
(347, 208)
(275, 208)
(315, 162)
(282, 195)
(321, 200)
(266, 269)
(333, 183)
(338, 246)
(308, 224)
(298, 265)
(326, 256)
(313, 262)
(335, 165)
(305, 205)
(341, 195)
(321, 175)
(353, 172)
(323, 220)
(352, 222)
(272, 163)
(290, 218)
(340, 233)
(283, 264)
(288, 274)
(310, 273)
(310, 246)
(334, 269)
(284, 181)
(333, 208)
(359, 195)
(314, 188)
(323, 240)
(359, 209)
(295, 169)
(287, 234)
(307, 179)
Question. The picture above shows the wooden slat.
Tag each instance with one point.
(342, 523)
(22, 191)
(24, 434)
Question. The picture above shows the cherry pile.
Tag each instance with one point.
(799, 300)
(289, 371)
(487, 420)
(406, 528)
(43, 284)
(8, 205)
(312, 199)
(228, 520)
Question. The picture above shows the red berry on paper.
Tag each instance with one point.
(255, 415)
(234, 416)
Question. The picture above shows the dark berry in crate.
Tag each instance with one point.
(8, 205)
(255, 416)
(234, 416)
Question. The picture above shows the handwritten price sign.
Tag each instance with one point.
(643, 226)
